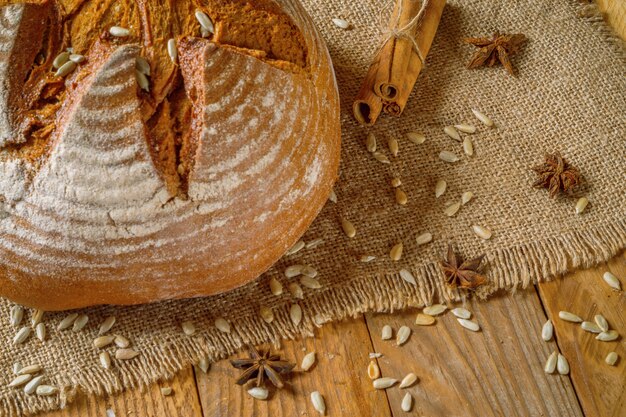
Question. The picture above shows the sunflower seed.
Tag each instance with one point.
(601, 322)
(308, 271)
(407, 402)
(373, 371)
(311, 283)
(36, 318)
(40, 331)
(396, 252)
(204, 33)
(126, 354)
(293, 271)
(21, 335)
(452, 209)
(468, 324)
(424, 238)
(332, 196)
(77, 58)
(296, 290)
(381, 157)
(142, 65)
(204, 365)
(65, 69)
(30, 369)
(384, 383)
(20, 380)
(435, 309)
(67, 322)
(121, 341)
(461, 313)
(348, 228)
(188, 327)
(612, 280)
(466, 197)
(60, 59)
(32, 385)
(401, 197)
(581, 204)
(440, 188)
(275, 286)
(393, 145)
(611, 358)
(222, 325)
(367, 258)
(452, 132)
(119, 31)
(550, 365)
(17, 314)
(16, 368)
(171, 50)
(266, 314)
(105, 360)
(406, 275)
(608, 336)
(424, 319)
(408, 380)
(468, 147)
(45, 390)
(562, 366)
(297, 247)
(567, 316)
(375, 355)
(205, 21)
(370, 142)
(106, 325)
(318, 402)
(590, 327)
(166, 391)
(142, 81)
(448, 156)
(341, 23)
(484, 119)
(259, 393)
(80, 323)
(386, 333)
(547, 331)
(295, 313)
(396, 182)
(416, 138)
(481, 232)
(314, 243)
(465, 128)
(403, 335)
(308, 361)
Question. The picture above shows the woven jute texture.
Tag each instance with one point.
(570, 96)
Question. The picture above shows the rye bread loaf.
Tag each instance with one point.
(111, 193)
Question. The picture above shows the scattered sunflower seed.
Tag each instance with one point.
(367, 258)
(601, 322)
(311, 283)
(65, 69)
(105, 360)
(612, 280)
(396, 252)
(297, 247)
(465, 128)
(484, 119)
(452, 209)
(275, 286)
(142, 65)
(32, 385)
(403, 335)
(205, 21)
(142, 81)
(562, 366)
(222, 325)
(611, 358)
(461, 313)
(308, 271)
(381, 157)
(468, 146)
(393, 145)
(16, 368)
(407, 402)
(452, 132)
(567, 316)
(293, 271)
(435, 309)
(440, 188)
(260, 393)
(396, 182)
(80, 323)
(20, 380)
(469, 325)
(581, 204)
(67, 322)
(401, 197)
(266, 314)
(448, 156)
(373, 371)
(547, 331)
(375, 355)
(60, 59)
(590, 327)
(608, 336)
(424, 319)
(348, 228)
(45, 390)
(21, 335)
(424, 238)
(296, 290)
(333, 196)
(416, 138)
(166, 391)
(188, 327)
(119, 32)
(341, 23)
(314, 243)
(295, 313)
(40, 331)
(550, 365)
(406, 275)
(204, 365)
(126, 354)
(386, 332)
(30, 369)
(481, 232)
(36, 318)
(408, 380)
(17, 314)
(318, 402)
(370, 142)
(308, 361)
(171, 50)
(466, 197)
(384, 383)
(106, 325)
(77, 58)
(121, 341)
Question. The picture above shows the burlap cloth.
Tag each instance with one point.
(570, 96)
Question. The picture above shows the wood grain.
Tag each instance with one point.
(600, 387)
(495, 372)
(339, 375)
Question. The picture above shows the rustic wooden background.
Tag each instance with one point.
(495, 372)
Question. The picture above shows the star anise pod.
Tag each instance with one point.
(262, 363)
(461, 274)
(499, 48)
(557, 175)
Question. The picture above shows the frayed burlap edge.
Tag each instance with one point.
(508, 269)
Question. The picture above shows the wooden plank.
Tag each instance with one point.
(339, 375)
(600, 388)
(183, 402)
(495, 372)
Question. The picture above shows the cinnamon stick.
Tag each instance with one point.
(367, 105)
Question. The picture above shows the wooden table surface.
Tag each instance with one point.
(495, 372)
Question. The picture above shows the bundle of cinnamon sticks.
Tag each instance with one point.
(396, 66)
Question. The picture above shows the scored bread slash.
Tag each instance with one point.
(205, 21)
(484, 119)
(440, 188)
(416, 138)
